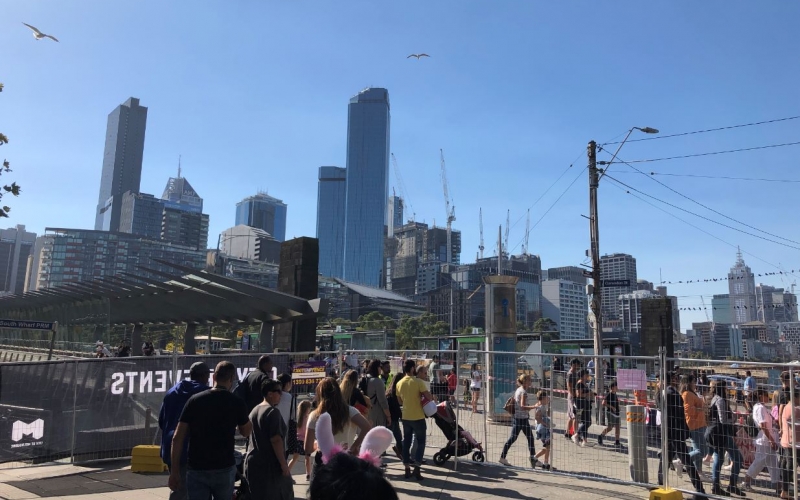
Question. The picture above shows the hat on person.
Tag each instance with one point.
(199, 370)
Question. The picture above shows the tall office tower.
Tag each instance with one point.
(618, 266)
(16, 244)
(262, 211)
(569, 273)
(565, 302)
(122, 161)
(331, 204)
(721, 309)
(394, 215)
(183, 221)
(742, 292)
(367, 185)
(141, 214)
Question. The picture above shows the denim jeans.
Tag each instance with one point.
(698, 439)
(415, 429)
(728, 445)
(216, 484)
(398, 437)
(522, 425)
(584, 420)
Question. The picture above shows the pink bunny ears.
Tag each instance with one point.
(377, 440)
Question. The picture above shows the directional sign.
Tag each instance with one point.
(587, 274)
(26, 325)
(607, 283)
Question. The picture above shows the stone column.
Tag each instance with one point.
(501, 336)
(189, 346)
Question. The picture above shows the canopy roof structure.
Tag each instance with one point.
(189, 296)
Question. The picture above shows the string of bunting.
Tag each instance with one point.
(731, 278)
(767, 306)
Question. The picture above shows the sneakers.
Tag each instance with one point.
(716, 490)
(746, 487)
(575, 439)
(678, 468)
(617, 444)
(735, 490)
(547, 467)
(534, 462)
(600, 440)
(504, 461)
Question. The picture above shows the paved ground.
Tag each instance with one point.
(470, 482)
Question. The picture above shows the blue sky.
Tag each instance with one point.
(254, 95)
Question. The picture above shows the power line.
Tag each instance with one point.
(707, 207)
(681, 134)
(700, 229)
(551, 206)
(722, 177)
(700, 216)
(696, 155)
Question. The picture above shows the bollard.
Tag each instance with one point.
(637, 443)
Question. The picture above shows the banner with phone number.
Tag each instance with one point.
(308, 372)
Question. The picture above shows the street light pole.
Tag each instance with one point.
(594, 231)
(597, 287)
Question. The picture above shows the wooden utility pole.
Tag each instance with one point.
(597, 286)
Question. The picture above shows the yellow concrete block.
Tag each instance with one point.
(663, 494)
(148, 468)
(146, 451)
(147, 458)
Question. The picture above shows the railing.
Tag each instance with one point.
(93, 409)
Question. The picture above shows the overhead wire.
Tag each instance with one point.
(707, 207)
(721, 177)
(711, 153)
(717, 129)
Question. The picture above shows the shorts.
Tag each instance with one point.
(570, 408)
(475, 389)
(612, 420)
(543, 434)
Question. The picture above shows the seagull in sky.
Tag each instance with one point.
(38, 34)
(417, 56)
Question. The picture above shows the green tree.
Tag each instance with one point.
(547, 328)
(13, 188)
(375, 321)
(408, 329)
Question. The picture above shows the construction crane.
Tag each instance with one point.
(480, 222)
(450, 211)
(704, 308)
(525, 248)
(505, 238)
(402, 188)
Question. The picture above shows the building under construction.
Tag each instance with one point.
(415, 257)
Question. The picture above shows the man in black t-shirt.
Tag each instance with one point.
(209, 420)
(249, 389)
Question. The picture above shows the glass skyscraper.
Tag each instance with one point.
(263, 212)
(367, 185)
(331, 203)
(122, 161)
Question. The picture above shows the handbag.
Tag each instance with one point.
(510, 405)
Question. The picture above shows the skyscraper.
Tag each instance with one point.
(721, 308)
(367, 185)
(16, 244)
(565, 302)
(331, 204)
(618, 266)
(262, 211)
(742, 291)
(122, 161)
(183, 221)
(394, 215)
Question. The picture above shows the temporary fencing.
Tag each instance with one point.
(92, 409)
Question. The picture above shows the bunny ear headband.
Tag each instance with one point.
(377, 440)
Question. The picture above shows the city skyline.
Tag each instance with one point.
(519, 114)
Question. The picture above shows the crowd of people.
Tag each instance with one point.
(199, 422)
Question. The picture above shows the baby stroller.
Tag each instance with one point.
(459, 441)
(241, 491)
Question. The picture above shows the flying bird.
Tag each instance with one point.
(38, 34)
(417, 56)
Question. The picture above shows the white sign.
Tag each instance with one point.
(20, 429)
(631, 380)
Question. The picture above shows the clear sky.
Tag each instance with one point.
(254, 95)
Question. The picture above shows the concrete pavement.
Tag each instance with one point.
(470, 482)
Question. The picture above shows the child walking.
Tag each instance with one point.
(303, 409)
(611, 407)
(544, 428)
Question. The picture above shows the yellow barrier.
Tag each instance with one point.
(635, 417)
(147, 458)
(662, 494)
